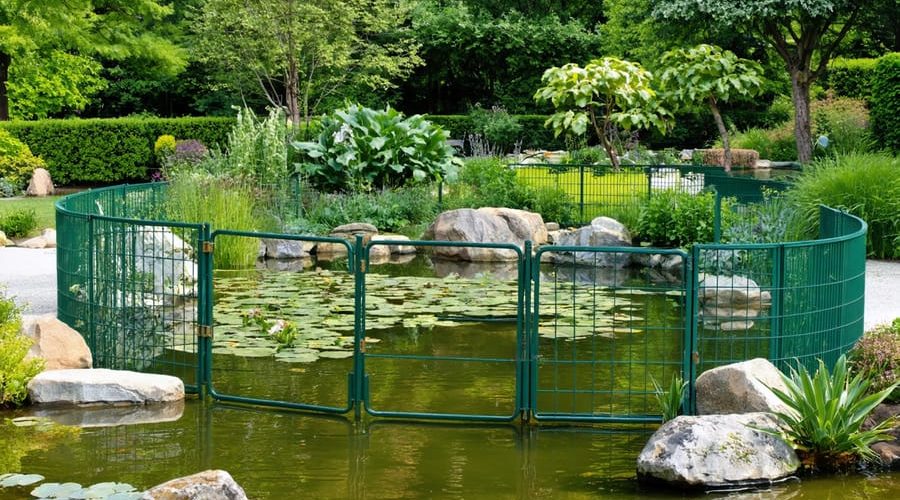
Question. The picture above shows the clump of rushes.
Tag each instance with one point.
(827, 413)
(670, 399)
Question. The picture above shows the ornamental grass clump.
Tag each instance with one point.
(670, 399)
(827, 411)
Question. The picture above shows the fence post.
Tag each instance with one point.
(581, 194)
(777, 308)
(440, 196)
(92, 328)
(358, 396)
(691, 356)
(523, 333)
(204, 310)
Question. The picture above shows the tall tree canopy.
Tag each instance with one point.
(804, 33)
(300, 52)
(46, 45)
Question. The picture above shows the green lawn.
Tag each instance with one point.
(43, 209)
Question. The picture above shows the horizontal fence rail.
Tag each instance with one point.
(577, 333)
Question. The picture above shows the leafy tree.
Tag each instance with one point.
(43, 84)
(607, 93)
(705, 75)
(804, 33)
(475, 57)
(299, 52)
(55, 31)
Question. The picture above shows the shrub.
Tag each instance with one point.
(15, 370)
(866, 185)
(361, 149)
(16, 161)
(18, 223)
(851, 77)
(501, 130)
(189, 152)
(772, 220)
(741, 158)
(845, 122)
(108, 150)
(827, 411)
(8, 189)
(676, 219)
(876, 356)
(164, 148)
(395, 210)
(777, 144)
(885, 102)
(257, 149)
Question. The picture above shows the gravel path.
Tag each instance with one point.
(30, 275)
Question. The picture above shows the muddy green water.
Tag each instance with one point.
(277, 454)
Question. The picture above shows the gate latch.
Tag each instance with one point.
(208, 247)
(204, 331)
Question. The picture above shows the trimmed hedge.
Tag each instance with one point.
(851, 77)
(109, 150)
(885, 102)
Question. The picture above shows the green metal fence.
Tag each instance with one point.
(587, 333)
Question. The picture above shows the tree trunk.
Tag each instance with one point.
(292, 94)
(602, 134)
(5, 61)
(723, 132)
(802, 124)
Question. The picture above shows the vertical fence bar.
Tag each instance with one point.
(358, 394)
(777, 308)
(717, 218)
(523, 331)
(581, 194)
(92, 326)
(691, 344)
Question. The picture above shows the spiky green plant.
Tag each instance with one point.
(670, 399)
(826, 413)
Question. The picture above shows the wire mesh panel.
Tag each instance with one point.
(603, 332)
(444, 337)
(284, 330)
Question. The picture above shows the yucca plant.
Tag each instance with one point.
(827, 412)
(670, 399)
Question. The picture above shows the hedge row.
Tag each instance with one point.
(109, 150)
(885, 102)
(851, 77)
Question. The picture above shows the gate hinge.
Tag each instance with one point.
(204, 331)
(208, 247)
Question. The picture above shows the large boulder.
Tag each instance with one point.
(56, 343)
(284, 249)
(164, 263)
(103, 386)
(206, 485)
(35, 243)
(716, 451)
(329, 251)
(602, 232)
(40, 184)
(740, 388)
(485, 225)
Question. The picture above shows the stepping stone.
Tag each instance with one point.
(101, 386)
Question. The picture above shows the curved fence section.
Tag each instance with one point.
(579, 333)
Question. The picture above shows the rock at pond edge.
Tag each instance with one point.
(206, 485)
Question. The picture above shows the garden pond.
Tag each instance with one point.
(439, 338)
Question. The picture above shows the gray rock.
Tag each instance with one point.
(49, 236)
(40, 184)
(485, 225)
(730, 291)
(60, 346)
(206, 485)
(740, 388)
(717, 451)
(551, 226)
(889, 453)
(330, 251)
(103, 386)
(165, 262)
(284, 249)
(355, 228)
(603, 232)
(34, 243)
(398, 248)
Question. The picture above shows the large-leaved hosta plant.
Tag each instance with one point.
(827, 413)
(360, 149)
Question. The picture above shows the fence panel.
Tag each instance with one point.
(601, 333)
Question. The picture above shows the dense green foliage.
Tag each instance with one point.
(18, 223)
(109, 151)
(827, 412)
(15, 370)
(885, 102)
(775, 144)
(774, 219)
(876, 356)
(359, 149)
(866, 185)
(851, 77)
(16, 163)
(677, 219)
(256, 150)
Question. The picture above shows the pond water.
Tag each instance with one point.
(444, 349)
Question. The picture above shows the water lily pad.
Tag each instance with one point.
(336, 354)
(56, 490)
(297, 357)
(16, 480)
(102, 491)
